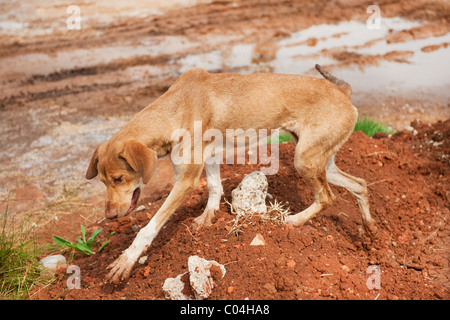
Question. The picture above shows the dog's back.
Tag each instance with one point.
(262, 100)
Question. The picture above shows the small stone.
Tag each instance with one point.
(142, 259)
(291, 263)
(52, 263)
(270, 287)
(258, 240)
(140, 208)
(147, 270)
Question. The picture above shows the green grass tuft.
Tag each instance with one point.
(19, 271)
(282, 137)
(370, 127)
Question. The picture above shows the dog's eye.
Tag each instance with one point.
(118, 180)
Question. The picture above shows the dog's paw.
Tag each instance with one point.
(204, 220)
(371, 229)
(120, 269)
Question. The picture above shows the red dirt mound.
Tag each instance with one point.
(328, 258)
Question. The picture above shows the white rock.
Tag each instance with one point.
(258, 240)
(200, 276)
(173, 289)
(200, 284)
(142, 259)
(52, 263)
(250, 194)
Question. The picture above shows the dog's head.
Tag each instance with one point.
(124, 167)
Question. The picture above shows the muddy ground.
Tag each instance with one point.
(65, 91)
(327, 258)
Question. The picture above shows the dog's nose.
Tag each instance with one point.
(110, 213)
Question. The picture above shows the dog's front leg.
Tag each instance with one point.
(121, 268)
(215, 194)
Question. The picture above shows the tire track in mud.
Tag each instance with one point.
(100, 68)
(56, 93)
(22, 98)
(258, 21)
(116, 65)
(255, 17)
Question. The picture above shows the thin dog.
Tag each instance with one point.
(317, 112)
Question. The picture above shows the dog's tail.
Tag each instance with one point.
(343, 86)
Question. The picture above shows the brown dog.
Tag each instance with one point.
(317, 112)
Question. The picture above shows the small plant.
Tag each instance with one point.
(276, 213)
(370, 127)
(84, 246)
(367, 126)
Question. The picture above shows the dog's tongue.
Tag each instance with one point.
(134, 200)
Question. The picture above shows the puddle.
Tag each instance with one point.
(297, 56)
(344, 34)
(302, 50)
(424, 70)
(209, 61)
(238, 56)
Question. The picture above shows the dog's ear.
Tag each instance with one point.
(141, 158)
(92, 170)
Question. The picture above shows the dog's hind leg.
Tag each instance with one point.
(215, 193)
(358, 188)
(310, 161)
